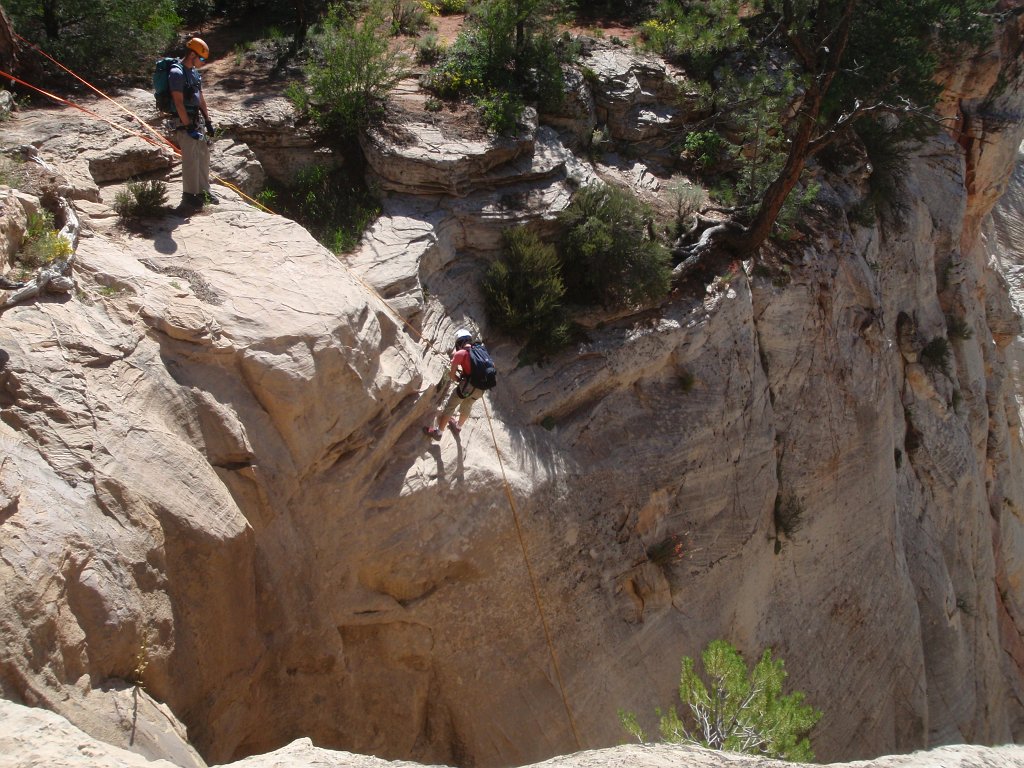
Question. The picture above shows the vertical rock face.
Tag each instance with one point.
(213, 481)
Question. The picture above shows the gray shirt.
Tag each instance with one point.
(189, 82)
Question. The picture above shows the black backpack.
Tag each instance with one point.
(161, 84)
(482, 373)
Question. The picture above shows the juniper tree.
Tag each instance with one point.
(737, 710)
(853, 59)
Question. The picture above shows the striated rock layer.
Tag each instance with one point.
(216, 505)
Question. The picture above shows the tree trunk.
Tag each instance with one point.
(731, 240)
(51, 20)
(8, 45)
(301, 24)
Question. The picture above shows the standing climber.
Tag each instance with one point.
(193, 135)
(473, 373)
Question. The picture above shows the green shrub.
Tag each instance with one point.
(140, 199)
(334, 206)
(608, 256)
(42, 244)
(429, 49)
(524, 291)
(739, 710)
(505, 46)
(957, 328)
(797, 202)
(407, 17)
(353, 69)
(705, 147)
(788, 515)
(499, 112)
(194, 12)
(298, 96)
(451, 7)
(688, 199)
(697, 33)
(267, 197)
(935, 354)
(887, 150)
(241, 51)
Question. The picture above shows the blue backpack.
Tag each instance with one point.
(482, 373)
(161, 85)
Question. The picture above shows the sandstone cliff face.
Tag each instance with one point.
(213, 480)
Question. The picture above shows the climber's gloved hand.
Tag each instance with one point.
(194, 133)
(209, 130)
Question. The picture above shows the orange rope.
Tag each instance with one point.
(89, 112)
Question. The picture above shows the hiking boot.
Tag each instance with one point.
(453, 425)
(432, 432)
(211, 198)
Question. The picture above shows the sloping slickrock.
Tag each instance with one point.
(129, 519)
(33, 738)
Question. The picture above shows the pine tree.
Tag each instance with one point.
(854, 59)
(736, 710)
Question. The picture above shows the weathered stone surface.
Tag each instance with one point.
(33, 738)
(13, 221)
(265, 122)
(127, 159)
(410, 250)
(638, 97)
(418, 158)
(576, 117)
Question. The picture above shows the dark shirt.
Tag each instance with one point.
(189, 82)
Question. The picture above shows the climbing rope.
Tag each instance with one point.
(395, 316)
(533, 582)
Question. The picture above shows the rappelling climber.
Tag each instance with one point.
(473, 373)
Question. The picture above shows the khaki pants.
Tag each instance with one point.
(195, 164)
(463, 404)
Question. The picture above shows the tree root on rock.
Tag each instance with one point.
(56, 277)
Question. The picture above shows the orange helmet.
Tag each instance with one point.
(198, 47)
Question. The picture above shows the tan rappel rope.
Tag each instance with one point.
(533, 582)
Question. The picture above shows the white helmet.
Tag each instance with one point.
(461, 334)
